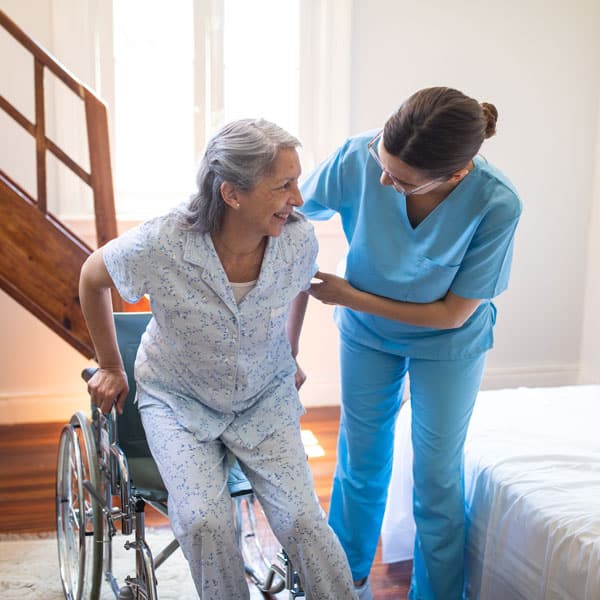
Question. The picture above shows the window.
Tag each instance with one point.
(183, 72)
(153, 106)
(262, 61)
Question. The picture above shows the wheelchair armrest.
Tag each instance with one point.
(87, 373)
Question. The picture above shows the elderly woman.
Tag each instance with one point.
(215, 370)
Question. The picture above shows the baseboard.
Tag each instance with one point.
(47, 408)
(328, 394)
(314, 393)
(547, 376)
(40, 408)
(44, 408)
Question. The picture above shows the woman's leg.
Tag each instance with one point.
(372, 385)
(282, 481)
(200, 508)
(442, 398)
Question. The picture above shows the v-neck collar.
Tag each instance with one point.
(450, 198)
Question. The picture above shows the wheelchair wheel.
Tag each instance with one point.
(259, 546)
(146, 581)
(79, 518)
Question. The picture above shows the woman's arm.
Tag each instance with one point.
(294, 327)
(109, 385)
(449, 312)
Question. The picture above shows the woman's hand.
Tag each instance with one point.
(107, 388)
(332, 289)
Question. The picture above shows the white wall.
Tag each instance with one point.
(590, 343)
(539, 62)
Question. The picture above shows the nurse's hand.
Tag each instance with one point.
(300, 376)
(332, 289)
(108, 387)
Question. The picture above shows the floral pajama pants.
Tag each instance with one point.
(201, 515)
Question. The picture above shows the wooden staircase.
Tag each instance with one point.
(40, 258)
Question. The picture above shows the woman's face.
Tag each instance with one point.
(268, 205)
(402, 177)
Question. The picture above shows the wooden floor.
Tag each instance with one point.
(27, 479)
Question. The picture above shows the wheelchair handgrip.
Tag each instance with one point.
(87, 373)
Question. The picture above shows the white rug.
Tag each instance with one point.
(29, 568)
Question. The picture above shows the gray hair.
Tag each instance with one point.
(240, 153)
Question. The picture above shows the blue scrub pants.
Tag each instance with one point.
(442, 393)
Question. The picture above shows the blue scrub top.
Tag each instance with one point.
(464, 245)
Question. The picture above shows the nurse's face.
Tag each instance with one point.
(267, 207)
(396, 173)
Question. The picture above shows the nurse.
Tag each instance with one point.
(430, 227)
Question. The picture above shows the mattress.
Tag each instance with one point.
(532, 488)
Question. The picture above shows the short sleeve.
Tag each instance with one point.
(485, 269)
(306, 249)
(127, 260)
(322, 190)
(311, 257)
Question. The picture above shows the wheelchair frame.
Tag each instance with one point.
(93, 468)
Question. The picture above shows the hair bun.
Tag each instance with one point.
(490, 114)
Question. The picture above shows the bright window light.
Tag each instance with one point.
(311, 444)
(261, 54)
(155, 78)
(154, 163)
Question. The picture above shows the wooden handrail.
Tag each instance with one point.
(41, 257)
(99, 178)
(26, 124)
(42, 55)
(40, 136)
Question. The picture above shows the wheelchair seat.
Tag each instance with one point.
(145, 478)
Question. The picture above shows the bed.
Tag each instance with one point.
(532, 486)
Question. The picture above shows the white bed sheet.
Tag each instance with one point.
(532, 486)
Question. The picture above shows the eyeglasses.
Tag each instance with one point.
(399, 187)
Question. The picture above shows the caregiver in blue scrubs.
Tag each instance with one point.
(430, 226)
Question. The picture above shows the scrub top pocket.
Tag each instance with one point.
(432, 280)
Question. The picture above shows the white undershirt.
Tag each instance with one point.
(241, 289)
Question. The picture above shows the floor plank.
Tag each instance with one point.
(27, 480)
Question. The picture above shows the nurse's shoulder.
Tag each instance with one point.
(498, 193)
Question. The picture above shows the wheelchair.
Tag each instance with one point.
(106, 477)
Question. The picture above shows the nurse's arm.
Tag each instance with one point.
(294, 328)
(108, 386)
(449, 312)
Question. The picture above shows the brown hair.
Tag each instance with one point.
(439, 130)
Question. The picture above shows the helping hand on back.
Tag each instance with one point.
(331, 289)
